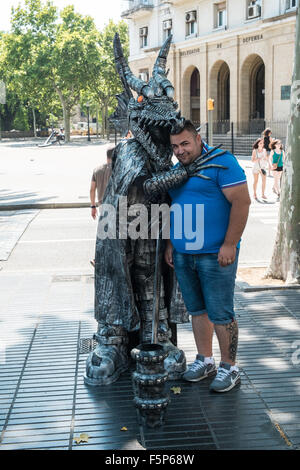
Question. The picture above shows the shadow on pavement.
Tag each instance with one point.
(8, 197)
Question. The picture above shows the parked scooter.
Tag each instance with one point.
(54, 138)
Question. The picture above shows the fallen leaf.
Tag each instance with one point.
(124, 428)
(82, 438)
(176, 390)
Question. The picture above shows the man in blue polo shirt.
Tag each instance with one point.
(208, 217)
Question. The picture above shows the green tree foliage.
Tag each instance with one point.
(76, 46)
(9, 111)
(106, 83)
(25, 54)
(49, 58)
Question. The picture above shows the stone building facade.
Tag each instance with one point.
(238, 52)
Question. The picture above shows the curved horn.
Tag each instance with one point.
(127, 77)
(165, 84)
(121, 63)
(161, 61)
(159, 70)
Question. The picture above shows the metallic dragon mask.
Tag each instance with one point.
(153, 113)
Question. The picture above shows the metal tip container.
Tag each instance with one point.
(150, 396)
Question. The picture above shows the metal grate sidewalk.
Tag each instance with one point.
(45, 404)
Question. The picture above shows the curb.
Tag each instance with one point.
(264, 288)
(245, 287)
(47, 205)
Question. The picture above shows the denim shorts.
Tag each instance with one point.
(206, 286)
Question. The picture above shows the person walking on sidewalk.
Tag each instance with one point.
(260, 166)
(206, 274)
(100, 177)
(267, 139)
(278, 157)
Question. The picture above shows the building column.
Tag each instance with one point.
(203, 84)
(269, 83)
(177, 76)
(235, 83)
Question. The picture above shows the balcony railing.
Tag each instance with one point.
(137, 5)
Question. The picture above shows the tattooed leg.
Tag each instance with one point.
(228, 341)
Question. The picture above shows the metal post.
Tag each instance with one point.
(156, 290)
(210, 108)
(232, 139)
(210, 130)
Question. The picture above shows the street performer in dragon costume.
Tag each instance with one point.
(125, 267)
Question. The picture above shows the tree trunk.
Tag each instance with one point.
(103, 122)
(34, 122)
(285, 263)
(66, 114)
(97, 122)
(67, 119)
(107, 123)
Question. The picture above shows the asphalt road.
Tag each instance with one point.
(58, 174)
(259, 236)
(64, 239)
(56, 240)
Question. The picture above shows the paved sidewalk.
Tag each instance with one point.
(45, 404)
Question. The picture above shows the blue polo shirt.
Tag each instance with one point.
(200, 211)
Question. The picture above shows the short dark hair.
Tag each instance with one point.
(188, 126)
(109, 152)
(255, 145)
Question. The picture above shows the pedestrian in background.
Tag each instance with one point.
(260, 166)
(278, 156)
(267, 146)
(100, 177)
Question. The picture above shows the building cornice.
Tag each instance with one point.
(215, 36)
(151, 49)
(287, 14)
(136, 9)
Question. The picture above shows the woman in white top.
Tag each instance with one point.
(260, 166)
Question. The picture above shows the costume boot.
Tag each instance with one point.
(109, 359)
(175, 362)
